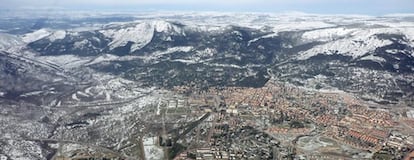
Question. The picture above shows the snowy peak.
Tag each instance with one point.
(115, 38)
(353, 42)
(36, 35)
(57, 35)
(167, 27)
(44, 33)
(140, 34)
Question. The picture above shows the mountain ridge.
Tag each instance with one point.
(146, 47)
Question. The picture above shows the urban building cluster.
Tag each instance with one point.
(281, 117)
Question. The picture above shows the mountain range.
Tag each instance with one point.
(369, 56)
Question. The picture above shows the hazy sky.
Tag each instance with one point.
(371, 7)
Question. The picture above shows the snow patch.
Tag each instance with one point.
(396, 66)
(80, 44)
(290, 25)
(325, 35)
(208, 52)
(36, 35)
(65, 61)
(75, 97)
(103, 58)
(173, 49)
(163, 26)
(262, 37)
(158, 54)
(358, 44)
(392, 51)
(57, 35)
(31, 93)
(186, 61)
(410, 114)
(374, 58)
(8, 41)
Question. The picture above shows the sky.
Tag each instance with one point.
(367, 7)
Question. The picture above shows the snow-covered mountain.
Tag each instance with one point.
(354, 42)
(8, 42)
(248, 49)
(140, 34)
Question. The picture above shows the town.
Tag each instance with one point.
(280, 121)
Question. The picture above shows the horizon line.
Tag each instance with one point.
(149, 10)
